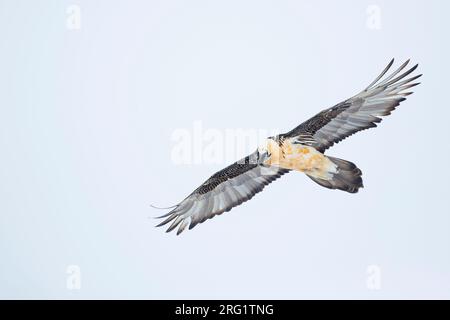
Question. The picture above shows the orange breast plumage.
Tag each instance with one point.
(295, 156)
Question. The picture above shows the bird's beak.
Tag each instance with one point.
(264, 156)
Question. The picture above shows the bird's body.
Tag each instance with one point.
(289, 154)
(301, 149)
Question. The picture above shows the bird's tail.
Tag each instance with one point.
(347, 178)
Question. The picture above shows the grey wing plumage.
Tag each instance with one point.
(358, 113)
(224, 190)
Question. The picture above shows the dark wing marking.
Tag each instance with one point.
(224, 190)
(358, 113)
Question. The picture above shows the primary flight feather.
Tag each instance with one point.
(301, 149)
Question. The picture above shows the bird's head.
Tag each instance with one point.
(265, 150)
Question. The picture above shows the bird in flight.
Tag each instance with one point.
(301, 149)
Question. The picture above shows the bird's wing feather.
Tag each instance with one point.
(224, 190)
(358, 113)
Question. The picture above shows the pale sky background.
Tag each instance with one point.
(87, 117)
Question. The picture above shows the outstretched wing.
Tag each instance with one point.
(358, 113)
(224, 190)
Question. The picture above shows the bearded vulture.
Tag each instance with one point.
(301, 149)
